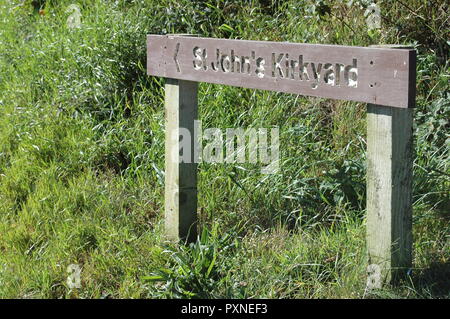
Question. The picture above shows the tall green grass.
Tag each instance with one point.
(82, 162)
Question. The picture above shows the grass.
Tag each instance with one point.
(82, 163)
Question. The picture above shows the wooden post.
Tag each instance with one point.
(389, 189)
(181, 177)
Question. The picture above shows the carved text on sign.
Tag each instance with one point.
(278, 65)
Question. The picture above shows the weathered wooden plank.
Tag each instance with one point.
(389, 192)
(382, 76)
(389, 188)
(180, 177)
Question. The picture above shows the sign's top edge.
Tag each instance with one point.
(396, 47)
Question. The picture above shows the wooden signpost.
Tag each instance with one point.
(382, 77)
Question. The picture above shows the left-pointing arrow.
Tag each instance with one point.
(177, 48)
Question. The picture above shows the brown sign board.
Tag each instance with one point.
(382, 76)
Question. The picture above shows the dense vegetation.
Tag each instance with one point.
(82, 156)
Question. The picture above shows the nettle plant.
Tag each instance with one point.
(196, 270)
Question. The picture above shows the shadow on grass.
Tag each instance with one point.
(434, 280)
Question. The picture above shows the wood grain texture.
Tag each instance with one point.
(385, 76)
(389, 190)
(180, 178)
